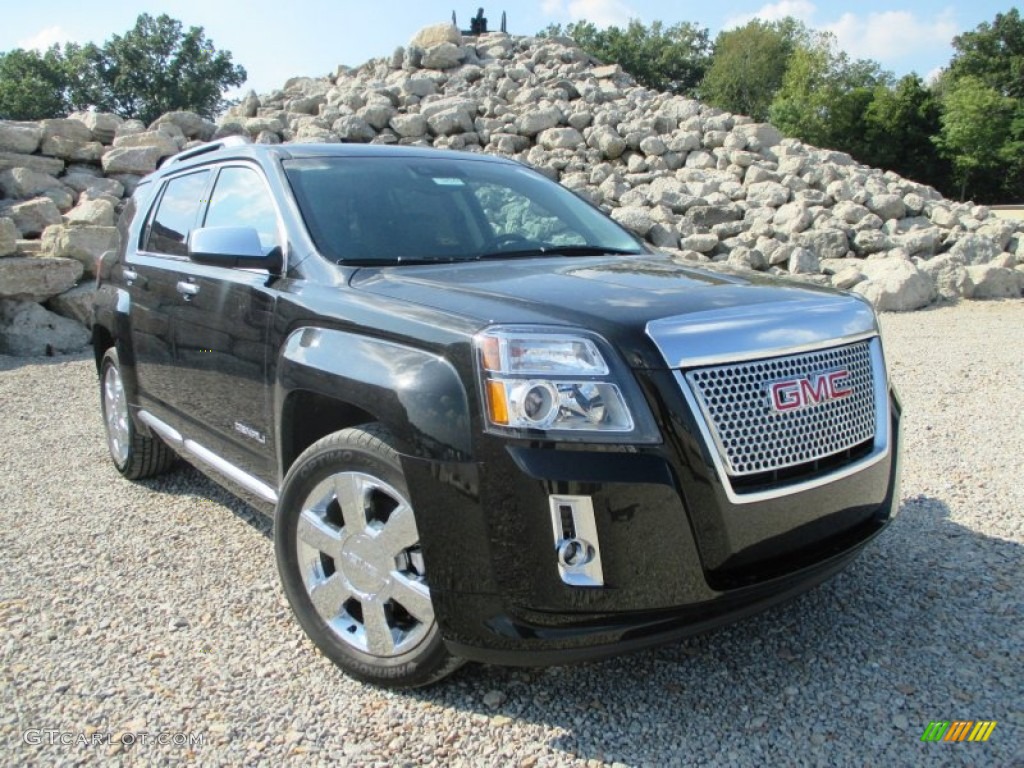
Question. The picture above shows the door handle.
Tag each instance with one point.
(187, 289)
(129, 275)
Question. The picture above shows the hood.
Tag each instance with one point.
(615, 296)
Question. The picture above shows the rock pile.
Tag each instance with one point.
(707, 186)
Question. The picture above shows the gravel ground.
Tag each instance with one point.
(153, 610)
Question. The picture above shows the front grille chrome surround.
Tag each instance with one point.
(752, 437)
(797, 480)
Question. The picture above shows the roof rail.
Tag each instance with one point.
(210, 146)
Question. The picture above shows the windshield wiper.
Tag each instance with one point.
(558, 250)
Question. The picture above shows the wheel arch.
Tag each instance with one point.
(329, 379)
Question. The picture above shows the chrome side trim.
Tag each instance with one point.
(580, 513)
(883, 439)
(167, 433)
(229, 470)
(737, 334)
(173, 438)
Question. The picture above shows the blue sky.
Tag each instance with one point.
(277, 40)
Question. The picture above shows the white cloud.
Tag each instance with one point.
(892, 34)
(44, 38)
(798, 9)
(601, 13)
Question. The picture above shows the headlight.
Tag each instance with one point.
(551, 381)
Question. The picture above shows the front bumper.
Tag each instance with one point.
(678, 556)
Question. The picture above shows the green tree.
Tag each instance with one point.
(900, 123)
(158, 67)
(994, 53)
(977, 135)
(33, 85)
(749, 64)
(824, 95)
(664, 58)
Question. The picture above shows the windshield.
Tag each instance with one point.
(390, 210)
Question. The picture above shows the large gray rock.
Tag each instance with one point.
(93, 185)
(84, 243)
(20, 137)
(51, 165)
(635, 218)
(537, 120)
(443, 56)
(949, 276)
(91, 212)
(27, 329)
(450, 121)
(436, 34)
(191, 125)
(974, 249)
(24, 183)
(353, 128)
(895, 285)
(826, 243)
(608, 141)
(69, 139)
(33, 216)
(75, 304)
(988, 281)
(162, 140)
(8, 236)
(560, 138)
(409, 126)
(102, 125)
(27, 278)
(136, 160)
(759, 135)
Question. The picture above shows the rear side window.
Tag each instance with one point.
(176, 214)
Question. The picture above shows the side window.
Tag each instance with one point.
(176, 214)
(513, 215)
(240, 199)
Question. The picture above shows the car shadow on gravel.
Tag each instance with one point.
(925, 625)
(186, 480)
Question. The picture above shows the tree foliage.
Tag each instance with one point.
(825, 94)
(749, 64)
(34, 85)
(671, 58)
(977, 123)
(994, 53)
(155, 67)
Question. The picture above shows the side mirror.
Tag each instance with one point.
(232, 247)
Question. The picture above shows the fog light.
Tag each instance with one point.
(572, 553)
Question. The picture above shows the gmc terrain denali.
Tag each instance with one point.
(490, 424)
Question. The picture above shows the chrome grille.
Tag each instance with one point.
(752, 437)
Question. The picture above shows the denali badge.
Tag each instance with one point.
(248, 431)
(792, 394)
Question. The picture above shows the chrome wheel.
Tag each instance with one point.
(115, 411)
(361, 564)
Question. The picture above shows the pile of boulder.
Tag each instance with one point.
(709, 187)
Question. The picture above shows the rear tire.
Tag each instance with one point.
(134, 455)
(349, 557)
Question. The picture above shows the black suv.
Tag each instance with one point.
(490, 423)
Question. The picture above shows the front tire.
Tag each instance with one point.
(348, 552)
(135, 456)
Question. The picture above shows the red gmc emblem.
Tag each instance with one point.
(792, 394)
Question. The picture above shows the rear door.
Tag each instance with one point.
(153, 268)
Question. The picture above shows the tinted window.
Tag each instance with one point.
(240, 199)
(176, 215)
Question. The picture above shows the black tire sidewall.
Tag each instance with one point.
(341, 452)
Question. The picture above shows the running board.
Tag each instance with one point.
(173, 437)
